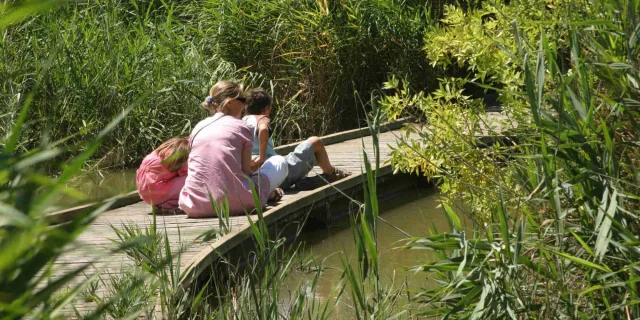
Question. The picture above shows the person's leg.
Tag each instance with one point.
(322, 158)
(300, 162)
(329, 172)
(306, 155)
(276, 170)
(169, 204)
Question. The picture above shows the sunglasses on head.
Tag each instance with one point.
(241, 99)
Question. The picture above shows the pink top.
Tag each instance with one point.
(215, 166)
(155, 181)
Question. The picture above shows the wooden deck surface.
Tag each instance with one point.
(94, 244)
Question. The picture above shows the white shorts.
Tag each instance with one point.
(276, 170)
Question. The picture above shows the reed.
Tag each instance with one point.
(101, 59)
(28, 245)
(162, 56)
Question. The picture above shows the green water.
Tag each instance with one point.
(414, 213)
(97, 186)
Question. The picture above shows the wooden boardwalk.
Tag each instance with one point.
(94, 244)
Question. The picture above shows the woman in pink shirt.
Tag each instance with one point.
(220, 159)
(162, 174)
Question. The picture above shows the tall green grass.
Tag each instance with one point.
(31, 285)
(317, 53)
(29, 246)
(104, 57)
(162, 56)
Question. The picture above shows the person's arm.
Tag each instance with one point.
(246, 159)
(263, 142)
(263, 139)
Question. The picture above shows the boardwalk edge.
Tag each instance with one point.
(213, 251)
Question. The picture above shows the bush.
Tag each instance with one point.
(315, 54)
(559, 233)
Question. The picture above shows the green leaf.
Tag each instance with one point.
(581, 262)
(452, 217)
(604, 235)
(582, 243)
(536, 267)
(504, 225)
(10, 216)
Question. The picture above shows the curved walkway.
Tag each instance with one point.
(345, 151)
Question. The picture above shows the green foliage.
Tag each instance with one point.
(129, 295)
(104, 57)
(561, 240)
(29, 247)
(478, 41)
(449, 147)
(317, 53)
(147, 253)
(477, 50)
(162, 56)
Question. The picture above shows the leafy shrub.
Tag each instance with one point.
(478, 50)
(560, 239)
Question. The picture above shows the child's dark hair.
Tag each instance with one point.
(257, 100)
(174, 152)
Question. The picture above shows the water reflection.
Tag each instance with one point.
(98, 186)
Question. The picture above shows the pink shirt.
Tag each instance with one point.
(215, 166)
(155, 181)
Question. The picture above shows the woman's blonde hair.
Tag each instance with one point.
(174, 152)
(220, 93)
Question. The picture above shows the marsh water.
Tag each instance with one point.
(412, 214)
(98, 185)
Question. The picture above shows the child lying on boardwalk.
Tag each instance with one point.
(307, 154)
